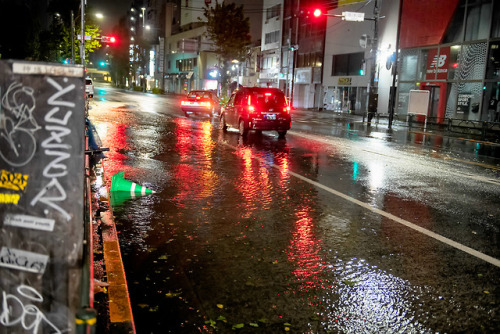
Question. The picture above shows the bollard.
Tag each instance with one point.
(86, 320)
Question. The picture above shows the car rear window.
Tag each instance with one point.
(88, 82)
(268, 99)
(201, 95)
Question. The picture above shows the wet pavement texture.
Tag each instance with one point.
(264, 235)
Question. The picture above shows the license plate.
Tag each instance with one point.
(270, 117)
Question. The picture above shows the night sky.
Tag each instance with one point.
(112, 11)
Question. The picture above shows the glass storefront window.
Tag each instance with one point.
(403, 97)
(495, 29)
(453, 62)
(468, 100)
(451, 101)
(472, 62)
(422, 69)
(493, 67)
(454, 33)
(408, 65)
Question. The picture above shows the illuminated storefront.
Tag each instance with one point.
(451, 48)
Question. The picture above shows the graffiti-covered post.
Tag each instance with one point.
(41, 195)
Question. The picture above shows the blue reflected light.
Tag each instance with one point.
(355, 170)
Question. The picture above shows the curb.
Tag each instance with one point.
(118, 305)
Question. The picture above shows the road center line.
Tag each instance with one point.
(438, 237)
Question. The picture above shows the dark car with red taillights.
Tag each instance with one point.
(257, 108)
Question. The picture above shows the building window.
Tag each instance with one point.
(472, 62)
(272, 37)
(478, 21)
(493, 67)
(184, 65)
(274, 11)
(495, 30)
(408, 65)
(347, 64)
(269, 63)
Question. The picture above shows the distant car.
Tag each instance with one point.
(256, 108)
(201, 101)
(89, 87)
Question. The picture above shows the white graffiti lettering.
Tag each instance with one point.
(56, 137)
(15, 312)
(55, 164)
(53, 194)
(52, 200)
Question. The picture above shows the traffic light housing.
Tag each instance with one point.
(108, 39)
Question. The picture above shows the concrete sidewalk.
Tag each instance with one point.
(380, 124)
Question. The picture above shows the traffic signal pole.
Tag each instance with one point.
(392, 105)
(373, 93)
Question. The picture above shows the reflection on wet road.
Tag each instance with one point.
(308, 234)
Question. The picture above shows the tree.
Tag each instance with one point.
(230, 31)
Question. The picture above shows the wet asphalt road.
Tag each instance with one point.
(327, 231)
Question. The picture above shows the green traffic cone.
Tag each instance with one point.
(118, 183)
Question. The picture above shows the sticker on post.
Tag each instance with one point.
(29, 222)
(23, 260)
(42, 69)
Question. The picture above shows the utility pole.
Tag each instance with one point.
(294, 51)
(373, 93)
(392, 104)
(82, 43)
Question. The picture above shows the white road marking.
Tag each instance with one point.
(438, 237)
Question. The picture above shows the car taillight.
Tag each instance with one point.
(206, 104)
(286, 109)
(251, 108)
(183, 103)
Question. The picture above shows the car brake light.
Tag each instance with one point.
(206, 104)
(251, 108)
(268, 94)
(287, 109)
(183, 103)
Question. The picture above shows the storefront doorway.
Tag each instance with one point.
(437, 105)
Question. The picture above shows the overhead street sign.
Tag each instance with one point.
(87, 37)
(353, 16)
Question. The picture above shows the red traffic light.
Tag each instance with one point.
(108, 39)
(317, 12)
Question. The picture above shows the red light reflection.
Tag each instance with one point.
(255, 184)
(193, 175)
(304, 250)
(115, 137)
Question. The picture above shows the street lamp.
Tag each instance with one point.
(143, 18)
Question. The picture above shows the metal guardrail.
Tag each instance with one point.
(86, 316)
(477, 129)
(482, 129)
